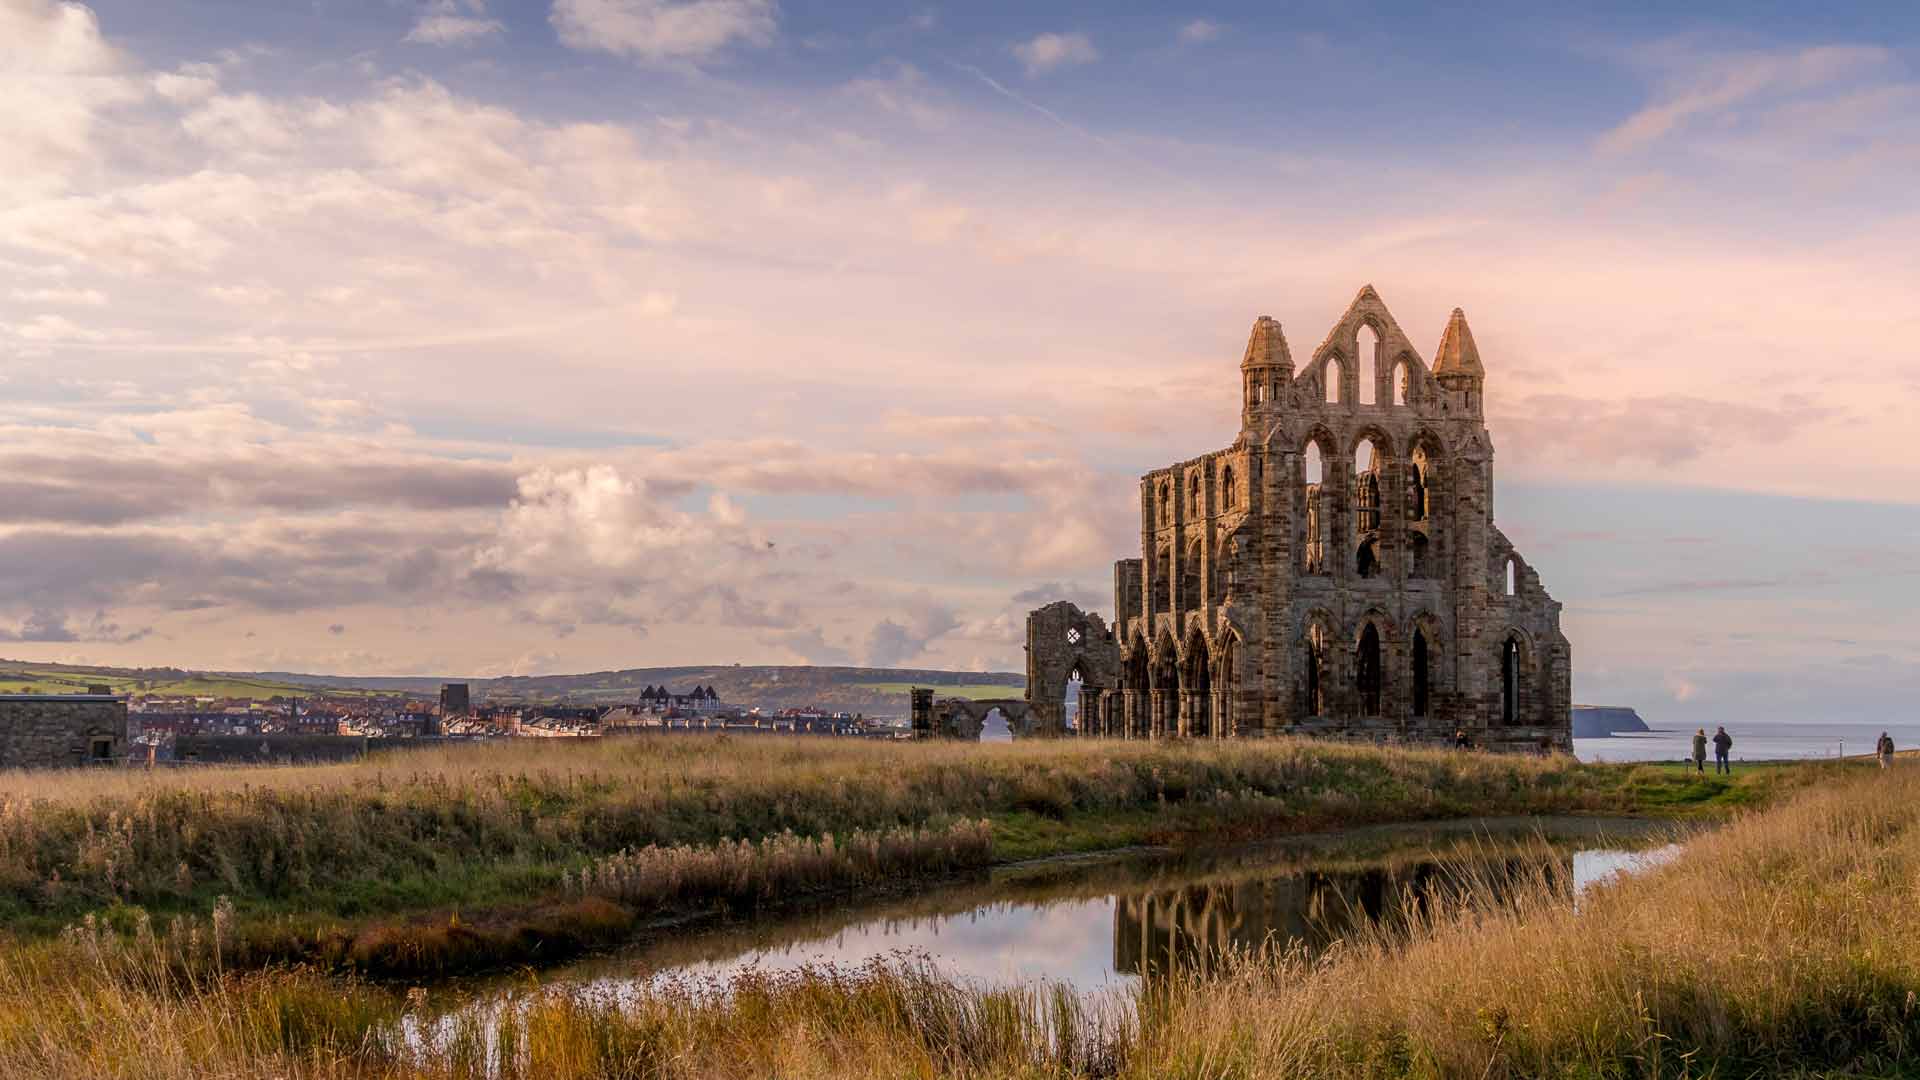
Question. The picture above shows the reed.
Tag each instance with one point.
(1779, 945)
(480, 825)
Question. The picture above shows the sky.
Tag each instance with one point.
(484, 337)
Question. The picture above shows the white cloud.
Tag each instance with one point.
(656, 31)
(73, 297)
(243, 123)
(1706, 87)
(1200, 31)
(1050, 51)
(57, 76)
(192, 83)
(452, 29)
(454, 22)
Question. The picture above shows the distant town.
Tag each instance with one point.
(325, 726)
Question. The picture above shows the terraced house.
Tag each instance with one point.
(1336, 570)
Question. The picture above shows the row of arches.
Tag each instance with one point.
(1168, 691)
(1374, 475)
(1373, 672)
(1401, 389)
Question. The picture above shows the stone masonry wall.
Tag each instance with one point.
(46, 732)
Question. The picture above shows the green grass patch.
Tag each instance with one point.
(970, 691)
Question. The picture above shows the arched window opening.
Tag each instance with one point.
(1419, 485)
(1333, 381)
(1070, 707)
(994, 727)
(1402, 383)
(1198, 685)
(1190, 597)
(1366, 354)
(1229, 495)
(1315, 663)
(1513, 576)
(1420, 675)
(1509, 681)
(1313, 511)
(1366, 671)
(1367, 560)
(1422, 556)
(1166, 504)
(1255, 390)
(1163, 581)
(1193, 496)
(1366, 487)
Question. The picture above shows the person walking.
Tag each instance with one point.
(1884, 750)
(1722, 744)
(1700, 750)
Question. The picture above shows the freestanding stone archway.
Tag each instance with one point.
(966, 718)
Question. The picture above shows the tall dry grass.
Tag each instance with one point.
(1783, 944)
(489, 823)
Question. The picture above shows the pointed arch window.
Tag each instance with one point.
(1402, 383)
(1315, 665)
(1194, 498)
(1366, 487)
(1333, 381)
(1229, 494)
(1510, 681)
(1366, 671)
(1366, 353)
(1422, 677)
(1513, 577)
(1313, 511)
(1419, 499)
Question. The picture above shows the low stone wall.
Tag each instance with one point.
(268, 749)
(49, 731)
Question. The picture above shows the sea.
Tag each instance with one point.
(1755, 741)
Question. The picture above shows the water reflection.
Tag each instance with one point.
(1095, 923)
(1193, 928)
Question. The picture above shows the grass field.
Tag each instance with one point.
(1779, 945)
(315, 859)
(971, 691)
(38, 680)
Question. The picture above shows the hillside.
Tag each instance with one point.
(878, 691)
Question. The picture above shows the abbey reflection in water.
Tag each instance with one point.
(1193, 927)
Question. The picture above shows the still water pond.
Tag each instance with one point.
(1105, 922)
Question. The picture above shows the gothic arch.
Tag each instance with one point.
(1318, 665)
(1382, 443)
(1519, 692)
(1196, 686)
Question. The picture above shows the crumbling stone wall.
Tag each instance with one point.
(40, 731)
(1375, 600)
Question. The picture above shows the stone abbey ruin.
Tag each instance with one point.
(1336, 571)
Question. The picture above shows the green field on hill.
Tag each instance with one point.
(970, 691)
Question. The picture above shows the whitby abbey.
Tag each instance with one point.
(1335, 571)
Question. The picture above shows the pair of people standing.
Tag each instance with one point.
(1722, 746)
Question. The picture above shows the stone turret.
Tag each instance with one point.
(1265, 373)
(1456, 365)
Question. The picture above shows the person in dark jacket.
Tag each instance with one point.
(1460, 738)
(1722, 744)
(1884, 750)
(1700, 750)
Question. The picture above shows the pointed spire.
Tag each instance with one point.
(1267, 346)
(1458, 355)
